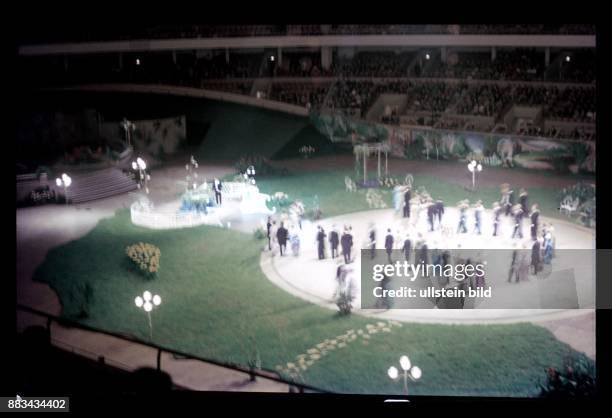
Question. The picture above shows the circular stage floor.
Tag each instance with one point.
(311, 279)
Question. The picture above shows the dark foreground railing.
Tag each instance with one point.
(252, 372)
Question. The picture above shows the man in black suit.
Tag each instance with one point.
(535, 220)
(439, 211)
(431, 210)
(406, 248)
(217, 187)
(407, 204)
(389, 245)
(372, 236)
(523, 199)
(514, 266)
(281, 236)
(269, 226)
(334, 239)
(346, 242)
(535, 257)
(321, 243)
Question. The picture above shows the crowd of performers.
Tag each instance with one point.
(414, 246)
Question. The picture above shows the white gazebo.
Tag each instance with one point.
(364, 151)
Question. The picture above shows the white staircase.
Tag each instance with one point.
(98, 184)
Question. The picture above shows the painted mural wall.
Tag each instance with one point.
(489, 149)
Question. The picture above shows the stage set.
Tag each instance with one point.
(301, 272)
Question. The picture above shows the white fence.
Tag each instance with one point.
(149, 218)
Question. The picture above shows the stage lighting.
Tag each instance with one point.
(411, 372)
(427, 56)
(567, 58)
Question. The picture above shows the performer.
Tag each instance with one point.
(535, 218)
(497, 209)
(389, 245)
(507, 198)
(372, 236)
(217, 187)
(334, 239)
(407, 203)
(321, 243)
(478, 216)
(406, 247)
(514, 265)
(281, 236)
(548, 248)
(517, 212)
(269, 227)
(346, 242)
(535, 256)
(295, 243)
(463, 206)
(523, 198)
(431, 210)
(439, 211)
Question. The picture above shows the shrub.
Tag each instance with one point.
(576, 379)
(145, 256)
(259, 234)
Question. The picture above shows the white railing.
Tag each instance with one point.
(149, 218)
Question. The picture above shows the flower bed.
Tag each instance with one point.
(145, 256)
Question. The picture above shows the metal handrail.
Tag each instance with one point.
(263, 373)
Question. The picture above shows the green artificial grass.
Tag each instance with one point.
(329, 187)
(217, 304)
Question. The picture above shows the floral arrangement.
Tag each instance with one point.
(389, 182)
(375, 199)
(146, 256)
(303, 361)
(307, 151)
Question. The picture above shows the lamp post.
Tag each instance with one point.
(147, 302)
(474, 167)
(129, 127)
(143, 178)
(249, 175)
(409, 372)
(65, 181)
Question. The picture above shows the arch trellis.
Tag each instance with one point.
(364, 151)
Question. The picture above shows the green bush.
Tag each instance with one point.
(576, 379)
(259, 234)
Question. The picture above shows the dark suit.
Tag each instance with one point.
(439, 211)
(346, 242)
(431, 210)
(281, 236)
(535, 257)
(321, 244)
(389, 246)
(268, 226)
(406, 248)
(496, 215)
(218, 187)
(333, 242)
(523, 201)
(534, 224)
(407, 204)
(372, 244)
